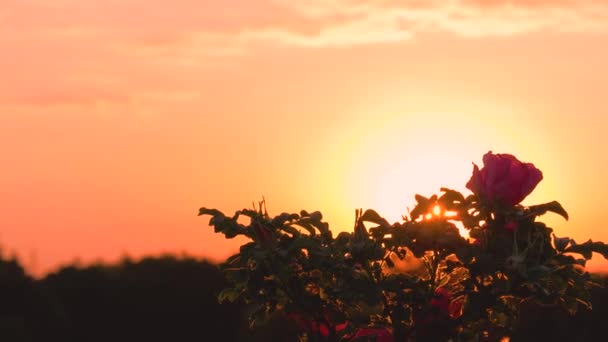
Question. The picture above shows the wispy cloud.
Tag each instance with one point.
(83, 51)
(401, 20)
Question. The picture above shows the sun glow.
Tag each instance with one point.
(398, 158)
(437, 210)
(435, 213)
(382, 162)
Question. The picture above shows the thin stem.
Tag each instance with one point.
(434, 266)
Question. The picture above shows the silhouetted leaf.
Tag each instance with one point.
(554, 207)
(207, 211)
(372, 216)
(560, 243)
(451, 199)
(316, 216)
(305, 223)
(586, 249)
(464, 254)
(423, 206)
(291, 230)
(283, 218)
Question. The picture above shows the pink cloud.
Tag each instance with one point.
(82, 51)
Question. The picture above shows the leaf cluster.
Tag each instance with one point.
(419, 278)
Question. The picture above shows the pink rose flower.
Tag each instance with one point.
(504, 179)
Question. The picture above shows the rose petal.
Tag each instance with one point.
(503, 179)
(475, 184)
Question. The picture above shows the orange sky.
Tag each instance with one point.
(120, 118)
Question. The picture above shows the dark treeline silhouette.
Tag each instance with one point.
(155, 299)
(175, 299)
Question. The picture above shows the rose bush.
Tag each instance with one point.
(418, 279)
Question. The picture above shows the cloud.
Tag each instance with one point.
(467, 18)
(75, 51)
(306, 23)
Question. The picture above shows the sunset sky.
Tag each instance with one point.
(120, 118)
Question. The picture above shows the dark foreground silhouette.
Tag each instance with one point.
(175, 299)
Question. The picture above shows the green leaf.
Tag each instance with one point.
(258, 317)
(553, 207)
(587, 304)
(236, 275)
(234, 259)
(498, 318)
(570, 304)
(229, 295)
(511, 302)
